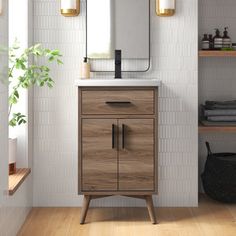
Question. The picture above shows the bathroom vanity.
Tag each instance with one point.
(118, 139)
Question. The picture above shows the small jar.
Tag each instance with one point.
(211, 42)
(205, 43)
(234, 46)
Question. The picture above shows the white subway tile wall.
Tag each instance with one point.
(174, 46)
(216, 75)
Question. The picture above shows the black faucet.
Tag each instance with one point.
(118, 64)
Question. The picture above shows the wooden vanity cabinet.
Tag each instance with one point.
(117, 144)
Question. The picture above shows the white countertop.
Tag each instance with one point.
(117, 82)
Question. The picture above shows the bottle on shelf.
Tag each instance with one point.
(234, 46)
(211, 42)
(218, 40)
(226, 39)
(205, 43)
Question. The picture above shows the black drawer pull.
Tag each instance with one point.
(118, 102)
(123, 136)
(113, 136)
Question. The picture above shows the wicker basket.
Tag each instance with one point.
(219, 176)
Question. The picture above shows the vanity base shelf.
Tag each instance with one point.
(148, 198)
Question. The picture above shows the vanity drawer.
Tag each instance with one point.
(126, 102)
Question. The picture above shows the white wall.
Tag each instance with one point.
(216, 75)
(13, 209)
(174, 61)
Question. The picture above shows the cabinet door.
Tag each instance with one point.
(99, 154)
(136, 154)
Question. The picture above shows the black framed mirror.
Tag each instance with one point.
(122, 25)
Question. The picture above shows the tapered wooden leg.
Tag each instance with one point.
(85, 207)
(151, 209)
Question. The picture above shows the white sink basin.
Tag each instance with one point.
(117, 82)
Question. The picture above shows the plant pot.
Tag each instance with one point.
(12, 155)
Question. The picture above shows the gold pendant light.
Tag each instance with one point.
(70, 7)
(165, 7)
(1, 7)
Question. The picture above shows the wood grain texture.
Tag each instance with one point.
(209, 219)
(94, 102)
(222, 129)
(104, 191)
(99, 159)
(17, 179)
(136, 160)
(206, 53)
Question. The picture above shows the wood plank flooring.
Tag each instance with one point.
(209, 219)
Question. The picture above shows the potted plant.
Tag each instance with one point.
(24, 75)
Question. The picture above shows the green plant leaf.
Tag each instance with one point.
(12, 122)
(17, 119)
(16, 94)
(13, 98)
(51, 58)
(55, 52)
(59, 62)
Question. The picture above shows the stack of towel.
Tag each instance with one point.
(214, 111)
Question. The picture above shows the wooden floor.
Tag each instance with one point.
(209, 219)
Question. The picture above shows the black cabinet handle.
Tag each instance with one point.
(113, 136)
(118, 102)
(123, 136)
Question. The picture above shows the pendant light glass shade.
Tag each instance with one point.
(70, 7)
(165, 7)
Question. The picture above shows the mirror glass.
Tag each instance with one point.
(118, 24)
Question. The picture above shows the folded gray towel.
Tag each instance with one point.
(232, 102)
(220, 107)
(212, 105)
(220, 112)
(222, 118)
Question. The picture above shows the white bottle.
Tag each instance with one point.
(226, 39)
(85, 69)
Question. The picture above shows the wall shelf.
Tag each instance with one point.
(17, 179)
(204, 53)
(217, 129)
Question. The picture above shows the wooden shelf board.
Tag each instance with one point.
(17, 179)
(223, 129)
(203, 53)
